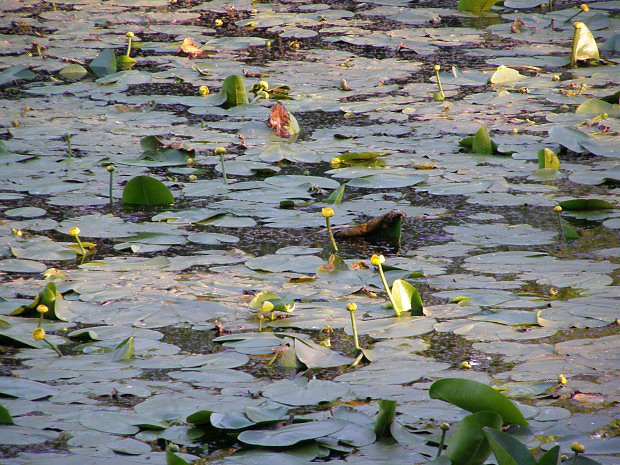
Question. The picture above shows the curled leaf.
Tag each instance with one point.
(282, 121)
(189, 48)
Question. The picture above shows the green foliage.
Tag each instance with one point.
(335, 198)
(73, 72)
(468, 444)
(586, 204)
(104, 63)
(15, 73)
(5, 416)
(480, 142)
(507, 449)
(145, 190)
(233, 88)
(551, 457)
(547, 159)
(474, 396)
(584, 45)
(49, 297)
(174, 459)
(407, 297)
(124, 351)
(387, 412)
(475, 6)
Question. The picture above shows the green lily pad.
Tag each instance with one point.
(290, 435)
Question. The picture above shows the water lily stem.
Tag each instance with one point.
(129, 39)
(82, 250)
(441, 442)
(397, 310)
(53, 346)
(561, 226)
(223, 168)
(443, 96)
(69, 148)
(331, 235)
(354, 327)
(111, 184)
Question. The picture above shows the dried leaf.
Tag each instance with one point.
(282, 121)
(190, 48)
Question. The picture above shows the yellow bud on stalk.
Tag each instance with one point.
(38, 334)
(377, 260)
(74, 232)
(577, 448)
(42, 308)
(327, 212)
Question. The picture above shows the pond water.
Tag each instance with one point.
(160, 340)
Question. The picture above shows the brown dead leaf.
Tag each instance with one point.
(189, 48)
(279, 119)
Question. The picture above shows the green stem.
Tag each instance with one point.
(53, 346)
(331, 235)
(397, 310)
(128, 46)
(574, 458)
(223, 168)
(111, 187)
(354, 326)
(561, 227)
(69, 148)
(443, 96)
(574, 16)
(441, 442)
(82, 250)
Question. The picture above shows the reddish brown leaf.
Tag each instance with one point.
(279, 119)
(189, 48)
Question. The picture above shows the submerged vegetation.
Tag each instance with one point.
(289, 233)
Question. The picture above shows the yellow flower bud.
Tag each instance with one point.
(562, 380)
(267, 306)
(191, 162)
(465, 365)
(351, 306)
(585, 8)
(557, 208)
(38, 334)
(110, 168)
(577, 448)
(437, 67)
(203, 91)
(555, 77)
(327, 212)
(335, 162)
(219, 23)
(192, 178)
(578, 25)
(264, 85)
(444, 426)
(220, 151)
(42, 308)
(130, 35)
(377, 260)
(75, 231)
